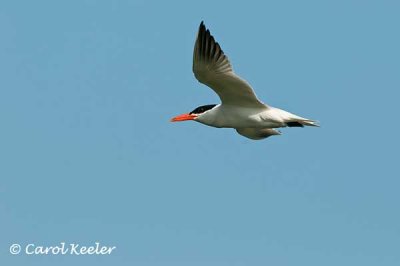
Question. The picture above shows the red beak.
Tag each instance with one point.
(183, 117)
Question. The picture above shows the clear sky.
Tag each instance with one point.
(88, 154)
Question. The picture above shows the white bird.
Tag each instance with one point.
(240, 108)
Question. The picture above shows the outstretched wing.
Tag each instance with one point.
(212, 68)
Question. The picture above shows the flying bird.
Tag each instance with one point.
(240, 108)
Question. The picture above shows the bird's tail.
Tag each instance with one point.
(292, 120)
(311, 123)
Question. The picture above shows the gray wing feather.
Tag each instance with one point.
(257, 133)
(212, 68)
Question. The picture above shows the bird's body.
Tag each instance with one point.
(228, 116)
(240, 108)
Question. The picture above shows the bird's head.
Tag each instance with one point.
(195, 114)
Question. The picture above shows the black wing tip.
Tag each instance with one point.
(205, 40)
(202, 26)
(294, 124)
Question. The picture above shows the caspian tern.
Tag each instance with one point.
(240, 108)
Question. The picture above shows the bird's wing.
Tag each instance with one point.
(212, 68)
(257, 133)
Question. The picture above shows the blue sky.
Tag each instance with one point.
(88, 153)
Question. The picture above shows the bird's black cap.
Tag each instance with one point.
(202, 109)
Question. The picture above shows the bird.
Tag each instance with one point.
(240, 108)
